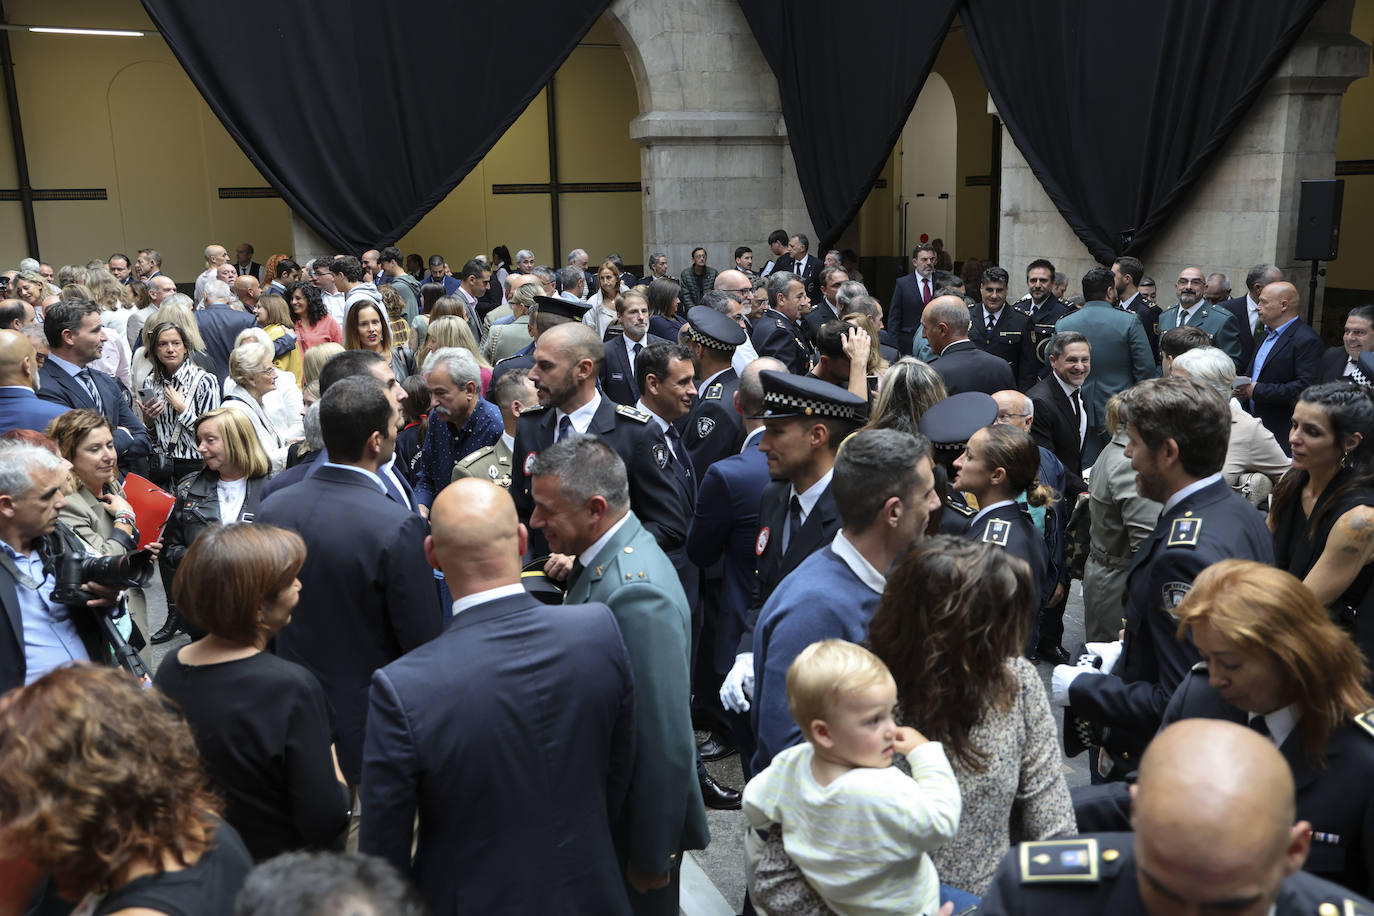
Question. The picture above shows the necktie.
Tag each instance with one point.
(638, 347)
(1077, 402)
(84, 377)
(925, 290)
(1187, 319)
(793, 522)
(565, 428)
(680, 453)
(992, 321)
(1258, 724)
(1357, 374)
(577, 568)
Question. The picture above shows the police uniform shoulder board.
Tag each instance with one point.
(966, 511)
(1365, 720)
(1184, 532)
(714, 392)
(477, 456)
(1348, 908)
(1062, 861)
(1202, 666)
(997, 532)
(533, 408)
(632, 412)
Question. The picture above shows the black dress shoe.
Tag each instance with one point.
(717, 796)
(174, 625)
(1055, 655)
(715, 749)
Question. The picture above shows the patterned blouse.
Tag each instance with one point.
(173, 432)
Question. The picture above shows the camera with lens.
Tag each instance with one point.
(74, 568)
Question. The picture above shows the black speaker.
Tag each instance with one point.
(1319, 220)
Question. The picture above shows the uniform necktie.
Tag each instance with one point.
(1357, 374)
(1187, 318)
(992, 321)
(925, 290)
(565, 428)
(793, 522)
(680, 453)
(1258, 724)
(84, 377)
(577, 568)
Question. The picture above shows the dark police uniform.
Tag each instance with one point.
(1010, 527)
(1095, 874)
(1043, 317)
(778, 336)
(966, 368)
(524, 359)
(714, 429)
(1205, 527)
(948, 425)
(1011, 340)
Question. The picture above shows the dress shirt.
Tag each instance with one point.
(509, 442)
(586, 556)
(1251, 311)
(358, 470)
(1267, 345)
(922, 283)
(986, 509)
(71, 369)
(231, 494)
(662, 423)
(389, 469)
(48, 641)
(1188, 491)
(629, 346)
(1281, 722)
(812, 496)
(482, 597)
(581, 417)
(858, 564)
(1082, 408)
(995, 316)
(1185, 315)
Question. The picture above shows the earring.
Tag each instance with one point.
(1345, 460)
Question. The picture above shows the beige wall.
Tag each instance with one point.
(1356, 141)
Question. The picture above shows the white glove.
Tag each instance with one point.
(738, 688)
(1063, 676)
(1109, 652)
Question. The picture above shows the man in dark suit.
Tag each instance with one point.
(958, 360)
(1355, 359)
(1062, 422)
(827, 307)
(568, 360)
(219, 324)
(911, 295)
(777, 332)
(618, 371)
(1285, 363)
(583, 505)
(1002, 331)
(713, 428)
(20, 406)
(1128, 273)
(1245, 310)
(433, 747)
(74, 338)
(800, 263)
(1043, 308)
(245, 265)
(368, 596)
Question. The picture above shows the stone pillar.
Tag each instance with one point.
(1244, 209)
(715, 165)
(306, 243)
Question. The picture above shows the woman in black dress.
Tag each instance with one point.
(1322, 515)
(261, 722)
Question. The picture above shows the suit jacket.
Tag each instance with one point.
(663, 813)
(540, 804)
(219, 325)
(723, 529)
(368, 596)
(1055, 428)
(966, 367)
(1043, 319)
(1241, 312)
(820, 313)
(1148, 315)
(1332, 366)
(808, 273)
(1011, 340)
(714, 428)
(1218, 322)
(22, 408)
(57, 387)
(905, 308)
(1121, 357)
(618, 376)
(776, 335)
(315, 459)
(1290, 366)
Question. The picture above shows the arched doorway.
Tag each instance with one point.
(926, 205)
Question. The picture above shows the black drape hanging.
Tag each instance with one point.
(363, 116)
(1120, 107)
(848, 76)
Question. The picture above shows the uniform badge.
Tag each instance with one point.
(492, 472)
(997, 532)
(660, 454)
(504, 481)
(1185, 531)
(704, 426)
(529, 462)
(761, 542)
(1059, 860)
(1174, 593)
(714, 392)
(1042, 350)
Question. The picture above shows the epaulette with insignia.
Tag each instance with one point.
(477, 456)
(1061, 861)
(781, 326)
(533, 408)
(714, 392)
(1184, 532)
(1365, 720)
(633, 413)
(966, 511)
(1350, 908)
(1200, 666)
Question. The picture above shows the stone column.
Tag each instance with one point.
(1244, 209)
(306, 243)
(715, 165)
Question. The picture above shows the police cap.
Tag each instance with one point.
(950, 423)
(714, 330)
(557, 305)
(787, 395)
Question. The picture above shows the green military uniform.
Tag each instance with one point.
(504, 340)
(489, 463)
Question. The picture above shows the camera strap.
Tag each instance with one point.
(23, 578)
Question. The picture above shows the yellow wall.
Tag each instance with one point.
(1356, 141)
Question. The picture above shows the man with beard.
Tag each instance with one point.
(622, 352)
(1192, 309)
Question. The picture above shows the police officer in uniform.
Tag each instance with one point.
(1214, 832)
(714, 429)
(549, 311)
(1001, 331)
(777, 332)
(1178, 433)
(567, 361)
(948, 425)
(1043, 310)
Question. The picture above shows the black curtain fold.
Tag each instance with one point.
(1120, 107)
(363, 117)
(848, 77)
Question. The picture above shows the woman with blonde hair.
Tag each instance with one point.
(250, 366)
(452, 331)
(908, 389)
(314, 361)
(274, 318)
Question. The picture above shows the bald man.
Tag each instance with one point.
(511, 734)
(20, 406)
(247, 290)
(1285, 362)
(1214, 833)
(215, 255)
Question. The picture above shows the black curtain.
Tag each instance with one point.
(1120, 107)
(363, 116)
(848, 76)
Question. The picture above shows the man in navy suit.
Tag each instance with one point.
(220, 324)
(910, 297)
(20, 406)
(1286, 361)
(368, 594)
(74, 338)
(439, 273)
(1245, 310)
(806, 268)
(958, 360)
(505, 825)
(618, 371)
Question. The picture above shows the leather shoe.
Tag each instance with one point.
(715, 749)
(717, 796)
(169, 630)
(1055, 655)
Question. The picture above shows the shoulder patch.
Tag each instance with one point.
(1365, 720)
(704, 426)
(714, 392)
(1184, 532)
(633, 413)
(1060, 861)
(997, 532)
(1174, 593)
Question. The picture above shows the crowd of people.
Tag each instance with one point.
(781, 519)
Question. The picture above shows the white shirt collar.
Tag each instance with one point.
(357, 470)
(1251, 306)
(707, 382)
(662, 423)
(582, 416)
(586, 556)
(70, 368)
(752, 440)
(1281, 722)
(490, 594)
(986, 509)
(1068, 389)
(812, 495)
(1189, 490)
(630, 345)
(858, 564)
(508, 441)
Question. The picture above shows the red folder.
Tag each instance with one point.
(152, 507)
